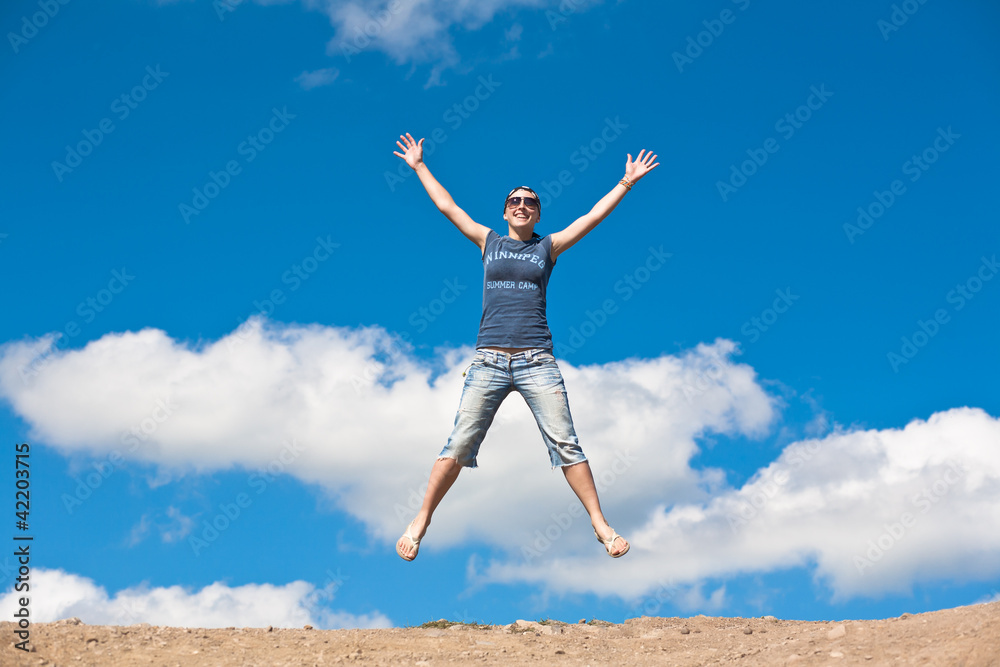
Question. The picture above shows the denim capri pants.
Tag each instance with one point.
(491, 377)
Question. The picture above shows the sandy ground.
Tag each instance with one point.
(963, 636)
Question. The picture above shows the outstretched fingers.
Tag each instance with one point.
(643, 163)
(648, 161)
(401, 147)
(644, 158)
(412, 150)
(407, 142)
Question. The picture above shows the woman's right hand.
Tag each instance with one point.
(413, 151)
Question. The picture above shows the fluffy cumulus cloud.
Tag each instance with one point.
(57, 594)
(420, 31)
(350, 410)
(413, 31)
(872, 511)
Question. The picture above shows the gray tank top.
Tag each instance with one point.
(515, 278)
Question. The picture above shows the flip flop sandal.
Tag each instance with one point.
(607, 544)
(414, 543)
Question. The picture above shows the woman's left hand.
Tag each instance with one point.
(642, 165)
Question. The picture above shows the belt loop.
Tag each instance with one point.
(527, 356)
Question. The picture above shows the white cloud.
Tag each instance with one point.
(694, 600)
(988, 599)
(348, 410)
(309, 395)
(316, 78)
(872, 511)
(420, 31)
(172, 526)
(417, 31)
(57, 594)
(176, 527)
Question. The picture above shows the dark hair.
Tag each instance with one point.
(523, 187)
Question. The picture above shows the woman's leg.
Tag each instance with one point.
(581, 480)
(443, 475)
(486, 385)
(541, 384)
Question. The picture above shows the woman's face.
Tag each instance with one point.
(521, 215)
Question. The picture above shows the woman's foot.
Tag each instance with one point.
(409, 544)
(615, 544)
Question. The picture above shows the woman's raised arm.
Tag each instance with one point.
(561, 241)
(413, 155)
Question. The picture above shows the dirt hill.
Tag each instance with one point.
(967, 636)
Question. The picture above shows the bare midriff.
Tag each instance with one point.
(509, 350)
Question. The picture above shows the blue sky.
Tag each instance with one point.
(264, 319)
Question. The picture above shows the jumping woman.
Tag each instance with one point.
(514, 348)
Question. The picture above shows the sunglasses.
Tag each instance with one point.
(530, 202)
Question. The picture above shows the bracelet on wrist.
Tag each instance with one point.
(627, 183)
